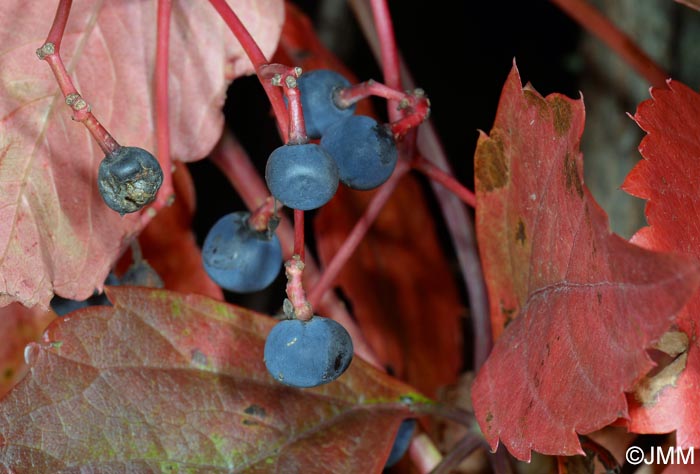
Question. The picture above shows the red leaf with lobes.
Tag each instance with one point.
(167, 382)
(57, 235)
(398, 281)
(668, 178)
(585, 302)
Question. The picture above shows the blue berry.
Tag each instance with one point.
(128, 179)
(401, 442)
(239, 258)
(302, 177)
(62, 306)
(307, 353)
(318, 89)
(364, 150)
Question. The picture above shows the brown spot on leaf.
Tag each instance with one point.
(520, 235)
(489, 417)
(535, 100)
(490, 163)
(508, 313)
(599, 295)
(573, 180)
(561, 111)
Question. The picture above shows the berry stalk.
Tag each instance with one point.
(348, 96)
(299, 234)
(166, 193)
(429, 169)
(294, 269)
(297, 128)
(50, 52)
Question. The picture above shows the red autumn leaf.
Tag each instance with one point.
(18, 327)
(583, 303)
(169, 246)
(170, 382)
(419, 333)
(57, 234)
(668, 178)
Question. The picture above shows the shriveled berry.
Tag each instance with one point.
(129, 179)
(308, 353)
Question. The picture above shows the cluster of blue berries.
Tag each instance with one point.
(354, 149)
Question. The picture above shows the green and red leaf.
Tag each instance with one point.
(171, 383)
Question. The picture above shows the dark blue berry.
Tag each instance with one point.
(307, 353)
(318, 89)
(240, 258)
(401, 442)
(128, 179)
(364, 150)
(302, 177)
(62, 306)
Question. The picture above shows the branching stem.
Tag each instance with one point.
(428, 168)
(352, 241)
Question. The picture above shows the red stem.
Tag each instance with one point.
(415, 108)
(389, 52)
(299, 234)
(162, 103)
(260, 218)
(107, 143)
(598, 25)
(358, 232)
(55, 35)
(258, 59)
(50, 52)
(297, 126)
(356, 92)
(294, 269)
(426, 167)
